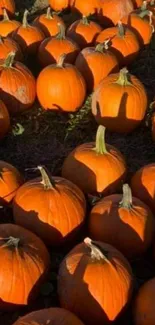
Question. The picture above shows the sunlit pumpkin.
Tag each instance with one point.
(4, 120)
(7, 45)
(8, 26)
(86, 8)
(111, 11)
(58, 5)
(9, 5)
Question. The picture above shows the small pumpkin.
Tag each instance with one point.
(143, 185)
(84, 32)
(26, 260)
(7, 45)
(48, 317)
(52, 48)
(99, 275)
(111, 11)
(17, 85)
(124, 222)
(125, 109)
(48, 23)
(58, 215)
(100, 167)
(58, 93)
(4, 120)
(124, 43)
(7, 26)
(29, 37)
(59, 5)
(86, 8)
(8, 5)
(96, 63)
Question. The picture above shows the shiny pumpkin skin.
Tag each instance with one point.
(86, 8)
(8, 27)
(49, 26)
(4, 120)
(84, 34)
(123, 111)
(59, 95)
(95, 65)
(58, 5)
(9, 5)
(29, 38)
(113, 11)
(50, 316)
(8, 45)
(58, 219)
(103, 289)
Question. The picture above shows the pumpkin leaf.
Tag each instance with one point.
(18, 129)
(46, 289)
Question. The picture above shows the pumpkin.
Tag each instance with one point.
(86, 8)
(17, 85)
(96, 63)
(4, 120)
(59, 5)
(100, 167)
(143, 308)
(58, 93)
(8, 5)
(52, 48)
(10, 180)
(84, 32)
(26, 260)
(111, 11)
(53, 219)
(151, 6)
(48, 23)
(124, 222)
(153, 126)
(8, 45)
(91, 278)
(137, 3)
(124, 43)
(29, 37)
(125, 109)
(7, 26)
(143, 185)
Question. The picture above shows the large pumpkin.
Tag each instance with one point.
(124, 222)
(9, 5)
(86, 8)
(112, 11)
(7, 26)
(8, 45)
(84, 32)
(95, 282)
(96, 63)
(54, 89)
(24, 265)
(57, 216)
(124, 43)
(17, 85)
(4, 120)
(58, 5)
(125, 109)
(95, 167)
(51, 316)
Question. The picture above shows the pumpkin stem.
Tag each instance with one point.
(11, 242)
(143, 6)
(144, 13)
(25, 22)
(96, 253)
(100, 146)
(61, 34)
(48, 13)
(47, 180)
(9, 60)
(5, 15)
(124, 78)
(121, 29)
(85, 20)
(61, 59)
(102, 46)
(152, 3)
(126, 202)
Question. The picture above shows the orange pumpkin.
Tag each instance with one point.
(125, 109)
(100, 168)
(4, 120)
(10, 181)
(8, 45)
(48, 23)
(7, 26)
(86, 8)
(17, 85)
(91, 278)
(58, 5)
(124, 222)
(58, 219)
(143, 185)
(9, 5)
(52, 48)
(26, 260)
(58, 93)
(84, 32)
(96, 63)
(124, 43)
(29, 37)
(111, 11)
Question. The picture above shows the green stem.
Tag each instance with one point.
(126, 202)
(85, 20)
(95, 251)
(11, 242)
(47, 180)
(121, 29)
(25, 22)
(60, 62)
(124, 78)
(100, 146)
(61, 34)
(9, 60)
(144, 6)
(103, 46)
(5, 15)
(144, 13)
(48, 13)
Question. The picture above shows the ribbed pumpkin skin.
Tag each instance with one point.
(125, 109)
(4, 120)
(10, 181)
(29, 38)
(83, 34)
(49, 26)
(9, 5)
(8, 45)
(114, 10)
(59, 93)
(56, 216)
(7, 27)
(58, 5)
(103, 286)
(86, 8)
(23, 267)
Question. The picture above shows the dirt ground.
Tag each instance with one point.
(48, 137)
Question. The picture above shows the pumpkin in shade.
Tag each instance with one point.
(58, 93)
(29, 37)
(124, 43)
(143, 185)
(50, 316)
(8, 45)
(111, 11)
(7, 26)
(17, 85)
(96, 63)
(95, 167)
(8, 5)
(99, 276)
(137, 3)
(48, 23)
(120, 102)
(153, 126)
(84, 32)
(86, 8)
(52, 48)
(124, 222)
(4, 120)
(58, 5)
(58, 215)
(26, 260)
